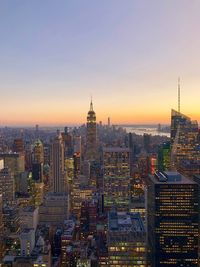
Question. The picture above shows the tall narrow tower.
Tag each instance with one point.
(91, 143)
(57, 165)
(179, 96)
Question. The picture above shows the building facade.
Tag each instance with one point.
(172, 219)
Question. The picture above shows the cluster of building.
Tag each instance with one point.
(97, 196)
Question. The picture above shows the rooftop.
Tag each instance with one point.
(170, 177)
(125, 222)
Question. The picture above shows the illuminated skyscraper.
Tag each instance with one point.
(68, 143)
(38, 160)
(172, 215)
(38, 152)
(164, 157)
(58, 183)
(7, 186)
(126, 239)
(91, 142)
(184, 139)
(116, 177)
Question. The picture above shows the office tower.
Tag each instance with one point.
(77, 144)
(147, 142)
(14, 161)
(77, 164)
(172, 220)
(54, 209)
(28, 156)
(126, 239)
(29, 217)
(88, 218)
(81, 191)
(69, 168)
(27, 241)
(11, 219)
(184, 139)
(57, 179)
(91, 142)
(38, 152)
(131, 148)
(68, 143)
(152, 163)
(7, 186)
(47, 149)
(38, 161)
(164, 157)
(18, 145)
(66, 239)
(116, 177)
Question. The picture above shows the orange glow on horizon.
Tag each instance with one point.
(77, 116)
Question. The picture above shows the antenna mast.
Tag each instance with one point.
(179, 95)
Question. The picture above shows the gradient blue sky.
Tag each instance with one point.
(128, 54)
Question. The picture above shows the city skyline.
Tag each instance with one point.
(54, 56)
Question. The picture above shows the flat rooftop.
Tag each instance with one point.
(125, 222)
(170, 177)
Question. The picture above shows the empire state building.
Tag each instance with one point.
(91, 143)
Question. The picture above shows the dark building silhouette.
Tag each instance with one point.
(173, 217)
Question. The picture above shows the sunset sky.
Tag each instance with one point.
(127, 54)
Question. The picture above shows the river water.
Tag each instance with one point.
(140, 130)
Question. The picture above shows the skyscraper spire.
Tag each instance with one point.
(179, 96)
(91, 105)
(91, 143)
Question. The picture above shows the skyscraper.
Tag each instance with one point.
(172, 214)
(126, 239)
(38, 160)
(116, 177)
(58, 183)
(184, 139)
(91, 142)
(7, 186)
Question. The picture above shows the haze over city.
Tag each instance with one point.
(127, 54)
(99, 133)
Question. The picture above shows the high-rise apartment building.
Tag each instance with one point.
(91, 142)
(116, 177)
(172, 220)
